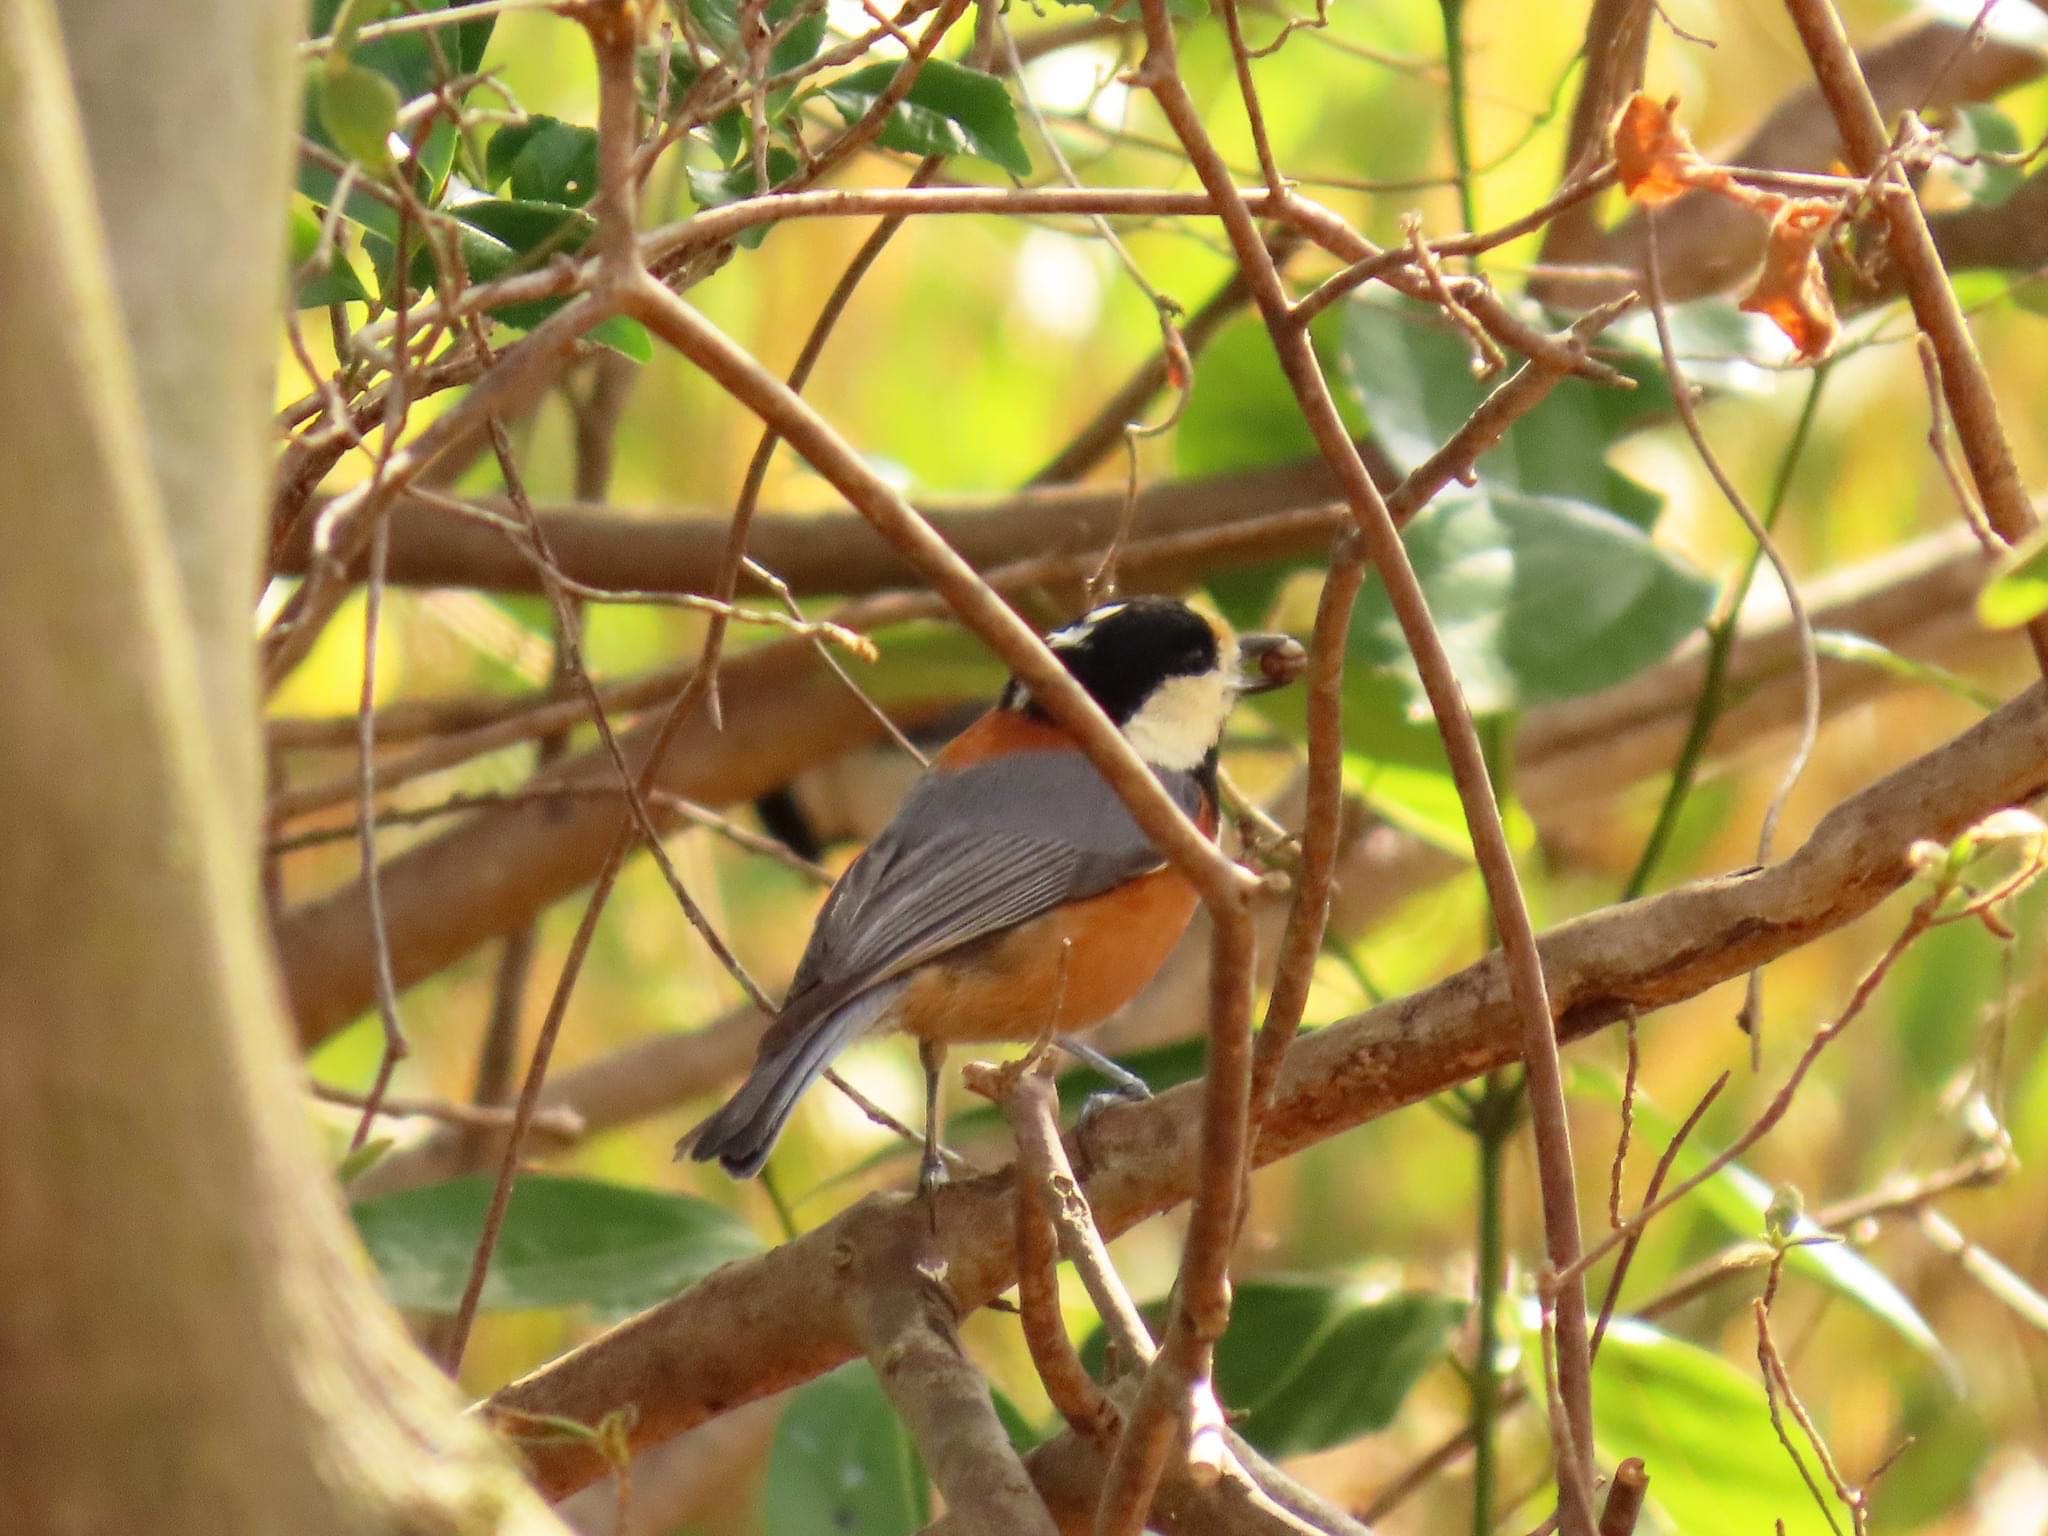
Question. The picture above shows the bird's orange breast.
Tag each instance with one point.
(1072, 967)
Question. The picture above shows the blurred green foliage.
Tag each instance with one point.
(1591, 546)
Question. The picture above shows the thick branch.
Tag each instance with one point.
(907, 1323)
(664, 551)
(494, 872)
(770, 1322)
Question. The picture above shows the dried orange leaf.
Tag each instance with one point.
(1792, 290)
(1653, 155)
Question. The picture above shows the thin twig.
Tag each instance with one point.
(1778, 1393)
(1628, 1123)
(561, 1123)
(1809, 664)
(397, 409)
(1922, 918)
(1937, 443)
(1086, 1408)
(1666, 1161)
(1711, 697)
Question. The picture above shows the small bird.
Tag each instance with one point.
(1012, 894)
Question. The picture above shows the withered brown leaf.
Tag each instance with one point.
(1792, 289)
(1653, 155)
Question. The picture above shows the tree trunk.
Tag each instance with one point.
(189, 1338)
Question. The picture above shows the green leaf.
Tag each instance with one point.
(2018, 590)
(545, 160)
(565, 1242)
(1844, 645)
(1312, 1362)
(1241, 414)
(624, 336)
(711, 189)
(1536, 597)
(498, 238)
(951, 110)
(1412, 377)
(720, 20)
(842, 1463)
(1703, 1428)
(408, 59)
(800, 44)
(1395, 763)
(412, 62)
(1982, 130)
(359, 111)
(360, 1160)
(1738, 1200)
(338, 284)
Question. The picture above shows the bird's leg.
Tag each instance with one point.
(931, 1168)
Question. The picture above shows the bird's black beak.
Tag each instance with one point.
(1265, 662)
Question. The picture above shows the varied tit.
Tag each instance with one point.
(1012, 893)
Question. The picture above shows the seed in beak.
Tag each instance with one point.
(1271, 661)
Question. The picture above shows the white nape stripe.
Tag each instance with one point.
(1078, 632)
(1182, 720)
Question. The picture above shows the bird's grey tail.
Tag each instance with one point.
(742, 1132)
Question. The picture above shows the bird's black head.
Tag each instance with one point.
(1165, 674)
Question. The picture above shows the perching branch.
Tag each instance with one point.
(770, 1322)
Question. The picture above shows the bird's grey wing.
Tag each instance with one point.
(970, 853)
(974, 852)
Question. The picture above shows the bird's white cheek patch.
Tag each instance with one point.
(1182, 720)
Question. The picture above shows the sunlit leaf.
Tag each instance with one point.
(1536, 598)
(843, 1463)
(360, 1160)
(1311, 1362)
(625, 336)
(412, 62)
(359, 109)
(1843, 645)
(951, 110)
(565, 1242)
(2018, 592)
(1703, 1428)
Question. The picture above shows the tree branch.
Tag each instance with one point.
(767, 1323)
(499, 868)
(658, 550)
(906, 1319)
